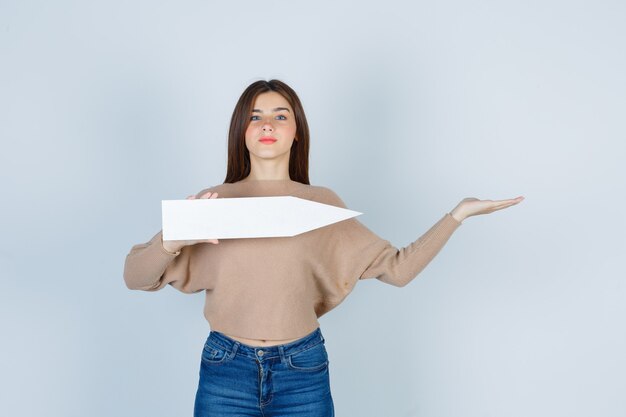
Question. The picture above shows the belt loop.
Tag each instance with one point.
(281, 350)
(234, 348)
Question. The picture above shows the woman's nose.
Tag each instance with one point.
(267, 127)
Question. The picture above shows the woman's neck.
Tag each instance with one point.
(268, 175)
(279, 180)
(268, 170)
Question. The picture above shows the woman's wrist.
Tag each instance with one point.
(168, 249)
(457, 215)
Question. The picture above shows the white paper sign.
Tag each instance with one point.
(246, 217)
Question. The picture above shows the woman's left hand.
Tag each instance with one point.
(473, 206)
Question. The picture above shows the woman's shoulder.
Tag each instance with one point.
(326, 195)
(213, 189)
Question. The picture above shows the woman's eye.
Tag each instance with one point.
(281, 117)
(255, 118)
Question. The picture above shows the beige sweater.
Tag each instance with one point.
(276, 288)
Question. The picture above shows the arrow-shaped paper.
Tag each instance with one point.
(246, 217)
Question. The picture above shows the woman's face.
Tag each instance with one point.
(272, 128)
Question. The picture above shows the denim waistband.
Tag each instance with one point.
(265, 352)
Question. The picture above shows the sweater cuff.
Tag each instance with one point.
(451, 217)
(160, 242)
(156, 247)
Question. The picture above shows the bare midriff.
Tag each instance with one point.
(261, 342)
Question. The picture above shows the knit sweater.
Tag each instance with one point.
(276, 288)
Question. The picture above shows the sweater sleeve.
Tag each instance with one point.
(150, 267)
(398, 267)
(366, 255)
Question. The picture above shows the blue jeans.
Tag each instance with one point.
(285, 380)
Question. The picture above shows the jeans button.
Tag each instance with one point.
(260, 353)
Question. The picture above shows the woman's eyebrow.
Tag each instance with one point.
(274, 109)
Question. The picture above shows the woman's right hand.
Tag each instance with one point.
(176, 245)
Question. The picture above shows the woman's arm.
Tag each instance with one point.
(146, 263)
(152, 265)
(358, 253)
(398, 267)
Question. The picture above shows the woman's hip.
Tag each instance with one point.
(293, 376)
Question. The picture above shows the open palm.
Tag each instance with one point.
(473, 206)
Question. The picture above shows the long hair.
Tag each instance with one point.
(238, 155)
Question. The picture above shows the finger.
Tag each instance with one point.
(206, 195)
(214, 195)
(190, 197)
(508, 200)
(503, 206)
(514, 201)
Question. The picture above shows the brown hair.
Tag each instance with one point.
(238, 155)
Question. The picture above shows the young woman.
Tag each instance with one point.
(265, 353)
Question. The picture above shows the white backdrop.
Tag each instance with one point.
(107, 107)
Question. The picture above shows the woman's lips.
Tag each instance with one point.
(267, 140)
